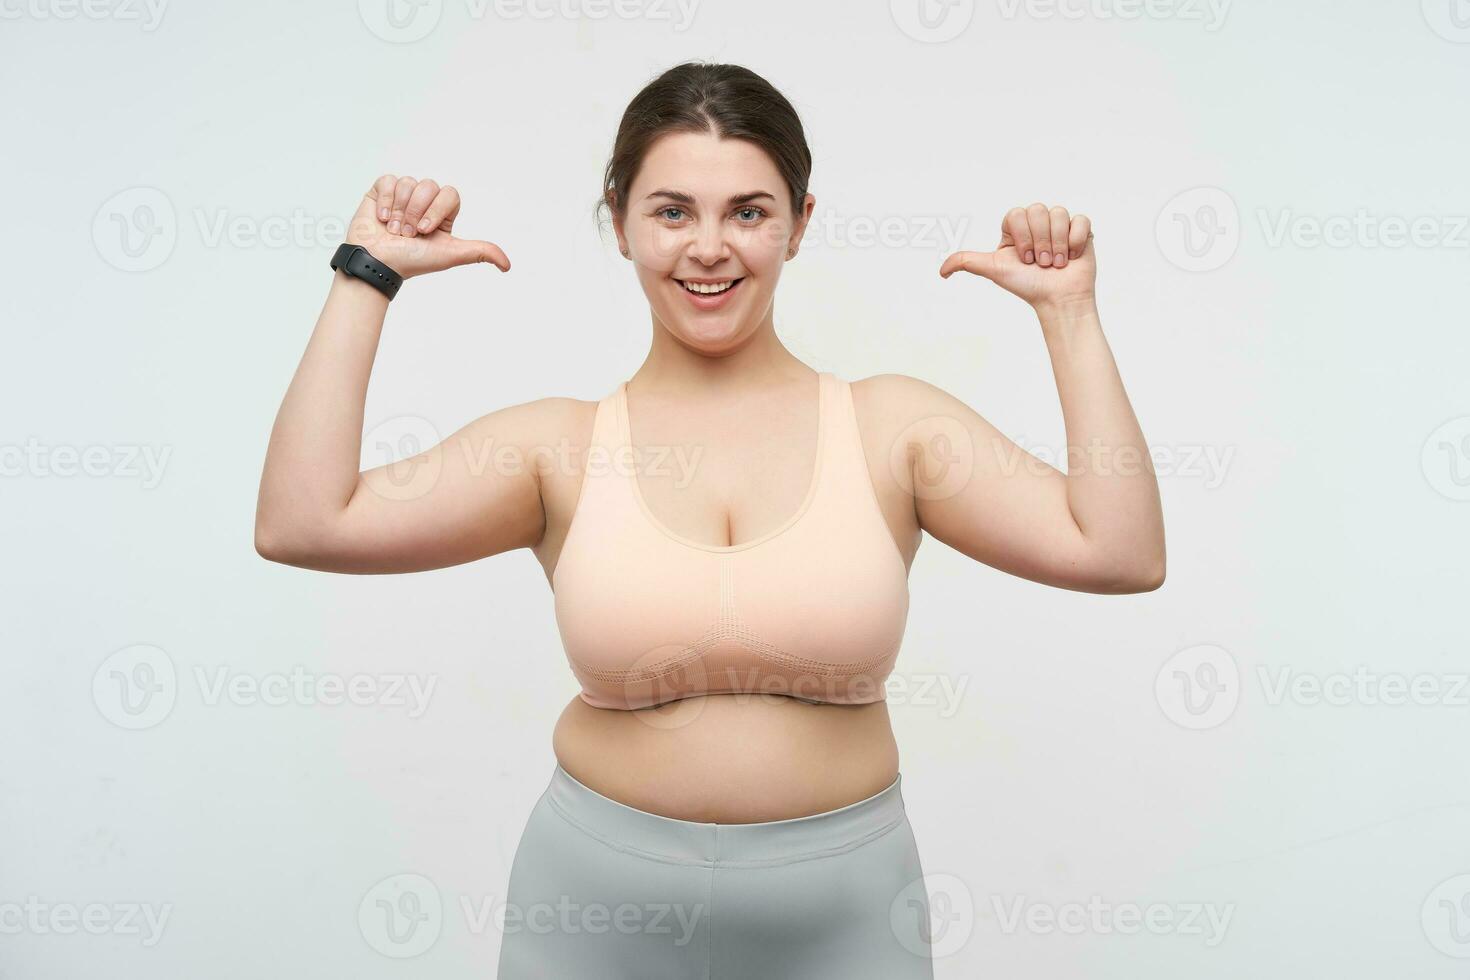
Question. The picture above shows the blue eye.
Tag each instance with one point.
(755, 213)
(677, 211)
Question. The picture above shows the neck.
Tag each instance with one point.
(759, 361)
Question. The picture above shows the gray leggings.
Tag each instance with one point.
(601, 890)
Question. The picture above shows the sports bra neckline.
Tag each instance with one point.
(625, 439)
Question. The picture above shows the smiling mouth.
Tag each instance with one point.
(708, 288)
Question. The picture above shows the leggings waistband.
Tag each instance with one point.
(776, 842)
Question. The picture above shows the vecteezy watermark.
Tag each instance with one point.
(829, 228)
(406, 21)
(123, 461)
(1363, 229)
(566, 917)
(1201, 686)
(1450, 19)
(401, 916)
(1199, 230)
(137, 229)
(1445, 459)
(1185, 461)
(1102, 918)
(38, 918)
(148, 14)
(298, 687)
(138, 686)
(932, 21)
(1210, 13)
(1198, 687)
(1362, 686)
(933, 916)
(1445, 916)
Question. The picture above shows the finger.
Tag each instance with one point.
(467, 251)
(401, 191)
(380, 195)
(1040, 222)
(418, 202)
(1077, 237)
(1019, 231)
(441, 211)
(980, 263)
(1060, 223)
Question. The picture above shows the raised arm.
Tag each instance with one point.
(454, 502)
(1096, 528)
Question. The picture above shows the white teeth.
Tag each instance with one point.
(708, 289)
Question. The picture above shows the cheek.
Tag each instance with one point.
(659, 247)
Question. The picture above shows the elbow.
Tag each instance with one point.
(274, 543)
(1148, 578)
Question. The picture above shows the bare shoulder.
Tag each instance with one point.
(890, 404)
(551, 432)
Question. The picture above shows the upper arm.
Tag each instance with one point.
(985, 496)
(476, 493)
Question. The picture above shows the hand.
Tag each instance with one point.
(1045, 257)
(406, 224)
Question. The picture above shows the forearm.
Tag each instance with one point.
(1111, 487)
(312, 462)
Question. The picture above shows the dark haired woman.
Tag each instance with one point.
(728, 550)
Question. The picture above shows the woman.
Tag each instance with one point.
(728, 547)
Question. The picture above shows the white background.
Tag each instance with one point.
(175, 181)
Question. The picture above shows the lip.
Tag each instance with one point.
(710, 302)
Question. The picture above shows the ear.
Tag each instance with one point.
(617, 223)
(798, 230)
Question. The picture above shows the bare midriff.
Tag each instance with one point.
(730, 758)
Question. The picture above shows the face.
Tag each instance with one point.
(708, 225)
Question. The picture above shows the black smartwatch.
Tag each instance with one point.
(358, 262)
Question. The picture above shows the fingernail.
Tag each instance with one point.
(1030, 256)
(393, 227)
(424, 225)
(1061, 260)
(1043, 258)
(407, 230)
(382, 214)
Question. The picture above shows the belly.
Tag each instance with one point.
(730, 758)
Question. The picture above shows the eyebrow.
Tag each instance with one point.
(687, 199)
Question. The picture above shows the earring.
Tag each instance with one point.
(625, 252)
(791, 253)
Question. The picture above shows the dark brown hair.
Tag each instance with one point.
(730, 101)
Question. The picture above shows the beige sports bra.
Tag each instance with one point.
(814, 609)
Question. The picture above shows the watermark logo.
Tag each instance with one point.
(136, 687)
(1446, 917)
(932, 21)
(135, 230)
(401, 916)
(1199, 229)
(1445, 459)
(405, 447)
(933, 458)
(1198, 687)
(400, 21)
(1450, 19)
(933, 916)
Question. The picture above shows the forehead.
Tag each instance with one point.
(705, 165)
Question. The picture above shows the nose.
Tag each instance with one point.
(709, 246)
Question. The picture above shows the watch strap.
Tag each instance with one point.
(358, 262)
